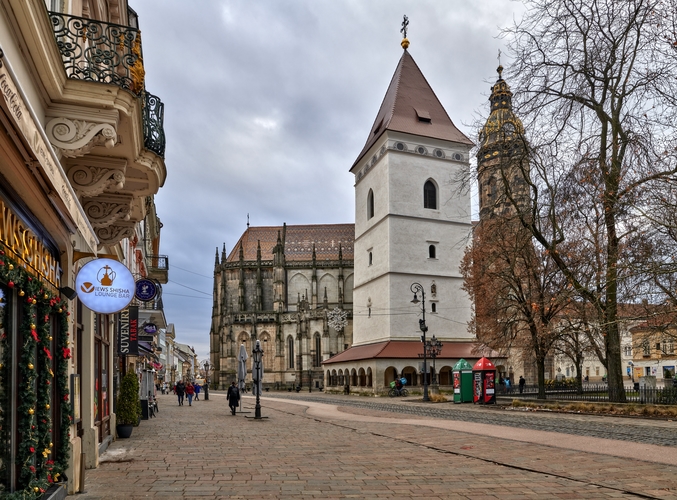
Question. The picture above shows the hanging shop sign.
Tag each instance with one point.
(29, 249)
(128, 332)
(105, 286)
(150, 328)
(146, 290)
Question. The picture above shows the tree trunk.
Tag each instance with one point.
(540, 367)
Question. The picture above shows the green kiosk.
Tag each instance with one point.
(462, 375)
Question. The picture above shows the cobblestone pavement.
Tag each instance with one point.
(202, 451)
(638, 430)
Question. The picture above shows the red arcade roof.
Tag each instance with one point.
(406, 349)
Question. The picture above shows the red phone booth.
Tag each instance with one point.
(484, 382)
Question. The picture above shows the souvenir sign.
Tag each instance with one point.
(105, 286)
(146, 290)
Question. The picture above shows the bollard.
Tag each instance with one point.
(81, 485)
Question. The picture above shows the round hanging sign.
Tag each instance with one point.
(146, 290)
(105, 286)
(150, 328)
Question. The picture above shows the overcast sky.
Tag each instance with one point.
(269, 102)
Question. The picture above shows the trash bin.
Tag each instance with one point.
(462, 376)
(484, 382)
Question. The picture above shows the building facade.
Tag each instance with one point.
(81, 158)
(291, 287)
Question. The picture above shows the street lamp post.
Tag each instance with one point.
(207, 366)
(416, 288)
(257, 354)
(434, 348)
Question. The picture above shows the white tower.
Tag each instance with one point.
(412, 223)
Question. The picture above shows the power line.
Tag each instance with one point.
(189, 288)
(192, 272)
(180, 295)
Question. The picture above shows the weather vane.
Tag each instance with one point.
(500, 68)
(405, 23)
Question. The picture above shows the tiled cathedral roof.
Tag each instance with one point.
(411, 106)
(298, 242)
(408, 349)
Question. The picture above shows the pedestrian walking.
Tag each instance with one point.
(507, 385)
(522, 383)
(233, 397)
(190, 392)
(197, 391)
(180, 389)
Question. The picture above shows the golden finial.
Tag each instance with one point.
(405, 41)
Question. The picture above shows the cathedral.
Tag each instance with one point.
(291, 287)
(345, 305)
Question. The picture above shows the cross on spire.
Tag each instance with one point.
(500, 68)
(405, 23)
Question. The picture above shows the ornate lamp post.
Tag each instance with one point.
(207, 367)
(416, 288)
(434, 348)
(257, 354)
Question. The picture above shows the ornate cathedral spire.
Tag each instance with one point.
(501, 155)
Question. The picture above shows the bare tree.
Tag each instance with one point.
(516, 291)
(596, 90)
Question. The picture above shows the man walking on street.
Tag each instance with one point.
(197, 387)
(233, 397)
(180, 390)
(522, 383)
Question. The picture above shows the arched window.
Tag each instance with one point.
(318, 351)
(290, 352)
(370, 204)
(431, 252)
(429, 195)
(433, 307)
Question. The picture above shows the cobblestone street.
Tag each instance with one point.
(345, 449)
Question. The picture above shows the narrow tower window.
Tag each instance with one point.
(370, 258)
(290, 351)
(429, 195)
(432, 252)
(433, 307)
(370, 204)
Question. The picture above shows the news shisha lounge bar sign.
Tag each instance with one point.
(105, 286)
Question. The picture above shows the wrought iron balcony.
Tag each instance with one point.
(110, 53)
(100, 52)
(158, 268)
(153, 124)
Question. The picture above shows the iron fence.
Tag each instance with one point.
(598, 393)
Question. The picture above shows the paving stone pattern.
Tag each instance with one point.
(202, 451)
(658, 432)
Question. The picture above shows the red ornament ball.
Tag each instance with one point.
(10, 284)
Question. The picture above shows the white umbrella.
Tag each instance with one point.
(258, 386)
(242, 367)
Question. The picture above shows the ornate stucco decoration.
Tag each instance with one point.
(107, 209)
(74, 138)
(93, 176)
(113, 233)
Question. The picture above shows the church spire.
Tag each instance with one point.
(410, 106)
(216, 261)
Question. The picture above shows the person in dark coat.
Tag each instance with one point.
(522, 383)
(233, 397)
(180, 391)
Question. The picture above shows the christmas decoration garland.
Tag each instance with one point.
(39, 308)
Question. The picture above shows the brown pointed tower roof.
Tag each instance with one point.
(411, 106)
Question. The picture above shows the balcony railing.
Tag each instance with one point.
(153, 124)
(100, 52)
(109, 53)
(158, 268)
